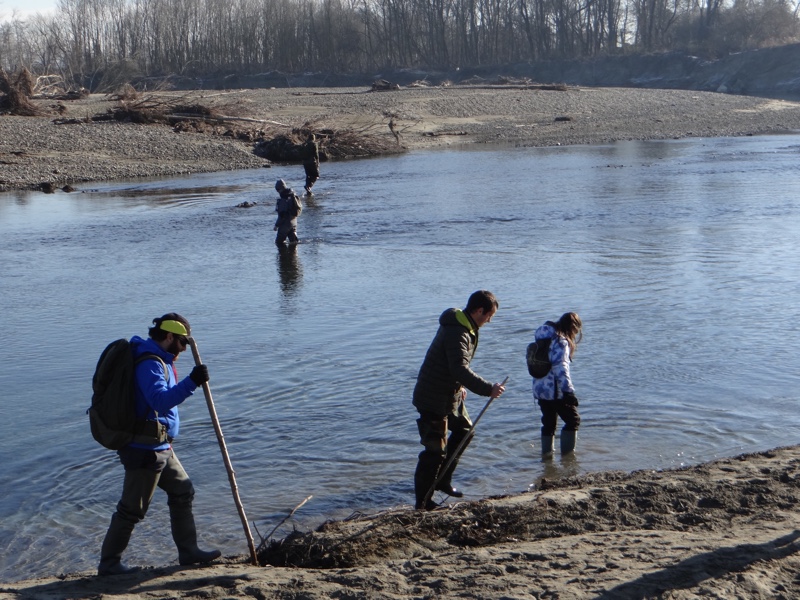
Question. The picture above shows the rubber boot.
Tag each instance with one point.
(184, 533)
(547, 445)
(568, 440)
(424, 477)
(114, 544)
(445, 480)
(445, 484)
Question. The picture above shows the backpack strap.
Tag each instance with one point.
(148, 356)
(147, 431)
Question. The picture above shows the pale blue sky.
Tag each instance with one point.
(25, 8)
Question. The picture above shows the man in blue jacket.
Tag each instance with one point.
(149, 460)
(440, 392)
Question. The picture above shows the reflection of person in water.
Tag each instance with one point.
(290, 271)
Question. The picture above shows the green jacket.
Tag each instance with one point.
(446, 366)
(311, 151)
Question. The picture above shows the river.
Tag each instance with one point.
(680, 256)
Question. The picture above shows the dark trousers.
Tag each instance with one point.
(286, 231)
(552, 409)
(145, 471)
(439, 448)
(312, 174)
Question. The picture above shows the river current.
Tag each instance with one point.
(681, 257)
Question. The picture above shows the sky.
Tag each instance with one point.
(25, 8)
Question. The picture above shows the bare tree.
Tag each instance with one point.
(96, 42)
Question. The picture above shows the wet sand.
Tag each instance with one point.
(726, 529)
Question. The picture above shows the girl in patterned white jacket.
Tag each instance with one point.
(554, 392)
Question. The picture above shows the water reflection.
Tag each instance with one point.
(557, 467)
(290, 271)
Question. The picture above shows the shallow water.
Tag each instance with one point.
(680, 256)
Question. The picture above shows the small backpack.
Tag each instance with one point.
(112, 415)
(538, 358)
(297, 206)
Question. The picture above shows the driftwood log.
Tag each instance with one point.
(17, 90)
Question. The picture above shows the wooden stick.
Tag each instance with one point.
(224, 118)
(286, 518)
(225, 456)
(455, 454)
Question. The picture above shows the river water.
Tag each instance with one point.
(680, 256)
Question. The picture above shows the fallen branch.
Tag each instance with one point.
(17, 89)
(552, 88)
(226, 118)
(441, 133)
(264, 540)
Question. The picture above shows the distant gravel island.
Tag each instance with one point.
(67, 147)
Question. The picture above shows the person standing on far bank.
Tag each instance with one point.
(288, 208)
(441, 391)
(149, 460)
(555, 393)
(311, 162)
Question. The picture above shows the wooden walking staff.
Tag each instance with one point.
(225, 456)
(455, 454)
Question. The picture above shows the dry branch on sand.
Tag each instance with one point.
(273, 140)
(21, 87)
(694, 499)
(413, 118)
(333, 144)
(726, 529)
(512, 83)
(17, 89)
(382, 85)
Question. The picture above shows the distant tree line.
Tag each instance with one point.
(95, 42)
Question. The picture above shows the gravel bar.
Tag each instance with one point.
(36, 152)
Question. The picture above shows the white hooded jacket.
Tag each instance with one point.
(558, 381)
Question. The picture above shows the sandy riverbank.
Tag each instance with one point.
(726, 529)
(36, 150)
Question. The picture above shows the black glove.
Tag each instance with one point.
(199, 375)
(570, 399)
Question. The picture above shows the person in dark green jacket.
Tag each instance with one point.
(311, 162)
(441, 391)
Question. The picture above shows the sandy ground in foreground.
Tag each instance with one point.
(37, 150)
(727, 529)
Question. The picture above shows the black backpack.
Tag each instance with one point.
(538, 358)
(112, 415)
(296, 207)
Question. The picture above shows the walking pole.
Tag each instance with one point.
(225, 457)
(459, 447)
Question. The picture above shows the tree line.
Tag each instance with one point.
(93, 43)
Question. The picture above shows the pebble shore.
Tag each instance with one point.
(34, 151)
(37, 151)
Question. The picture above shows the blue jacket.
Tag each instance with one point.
(545, 388)
(157, 391)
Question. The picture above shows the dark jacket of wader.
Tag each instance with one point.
(446, 367)
(439, 398)
(288, 208)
